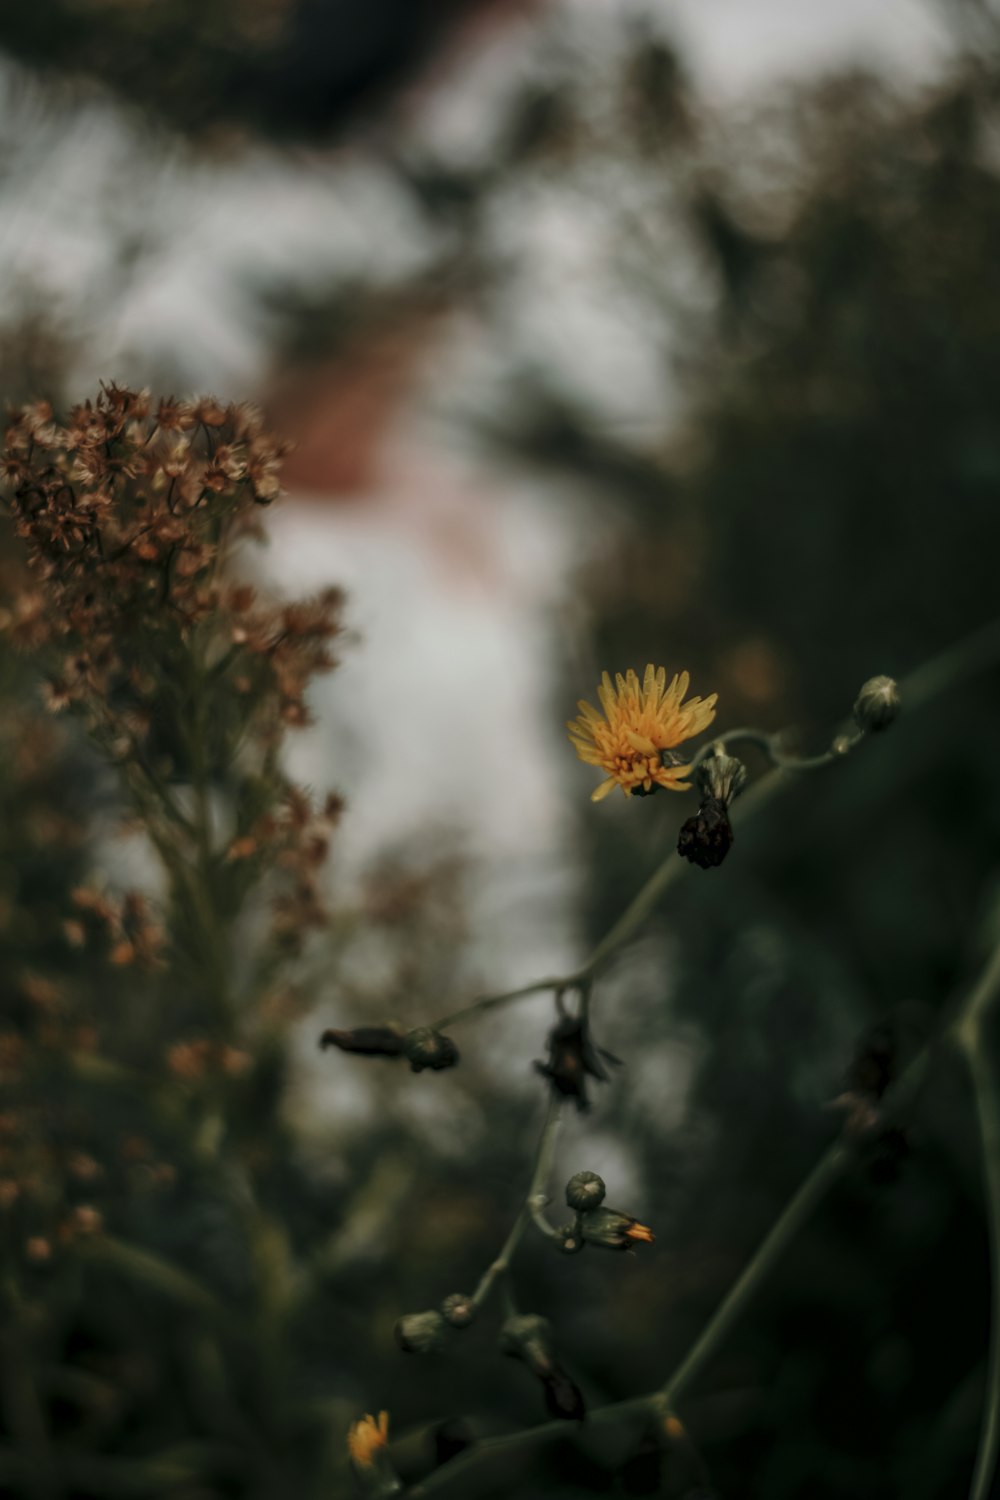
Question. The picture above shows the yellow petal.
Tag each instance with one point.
(640, 742)
(603, 790)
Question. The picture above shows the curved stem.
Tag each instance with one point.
(487, 1002)
(841, 746)
(532, 1205)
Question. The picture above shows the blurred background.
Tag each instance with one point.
(606, 334)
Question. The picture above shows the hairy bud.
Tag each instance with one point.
(421, 1333)
(877, 705)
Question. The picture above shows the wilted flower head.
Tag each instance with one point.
(573, 1058)
(424, 1047)
(370, 1041)
(707, 836)
(528, 1337)
(640, 723)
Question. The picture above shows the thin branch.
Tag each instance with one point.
(533, 1202)
(828, 1170)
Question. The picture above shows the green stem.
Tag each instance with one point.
(968, 1032)
(532, 1205)
(987, 1093)
(842, 745)
(488, 1002)
(815, 1188)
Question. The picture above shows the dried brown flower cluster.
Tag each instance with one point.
(131, 514)
(126, 512)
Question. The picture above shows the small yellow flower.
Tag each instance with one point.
(365, 1438)
(637, 1231)
(639, 722)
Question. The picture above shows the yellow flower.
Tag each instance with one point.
(366, 1437)
(639, 722)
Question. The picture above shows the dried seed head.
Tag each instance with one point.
(707, 837)
(877, 705)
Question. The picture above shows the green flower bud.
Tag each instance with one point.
(568, 1239)
(878, 704)
(613, 1230)
(421, 1333)
(427, 1048)
(585, 1191)
(459, 1310)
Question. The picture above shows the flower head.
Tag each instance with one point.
(640, 723)
(613, 1230)
(365, 1438)
(573, 1057)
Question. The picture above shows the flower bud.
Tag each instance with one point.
(568, 1239)
(421, 1333)
(427, 1048)
(585, 1191)
(613, 1230)
(877, 705)
(459, 1310)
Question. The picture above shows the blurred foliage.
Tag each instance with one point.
(816, 286)
(285, 67)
